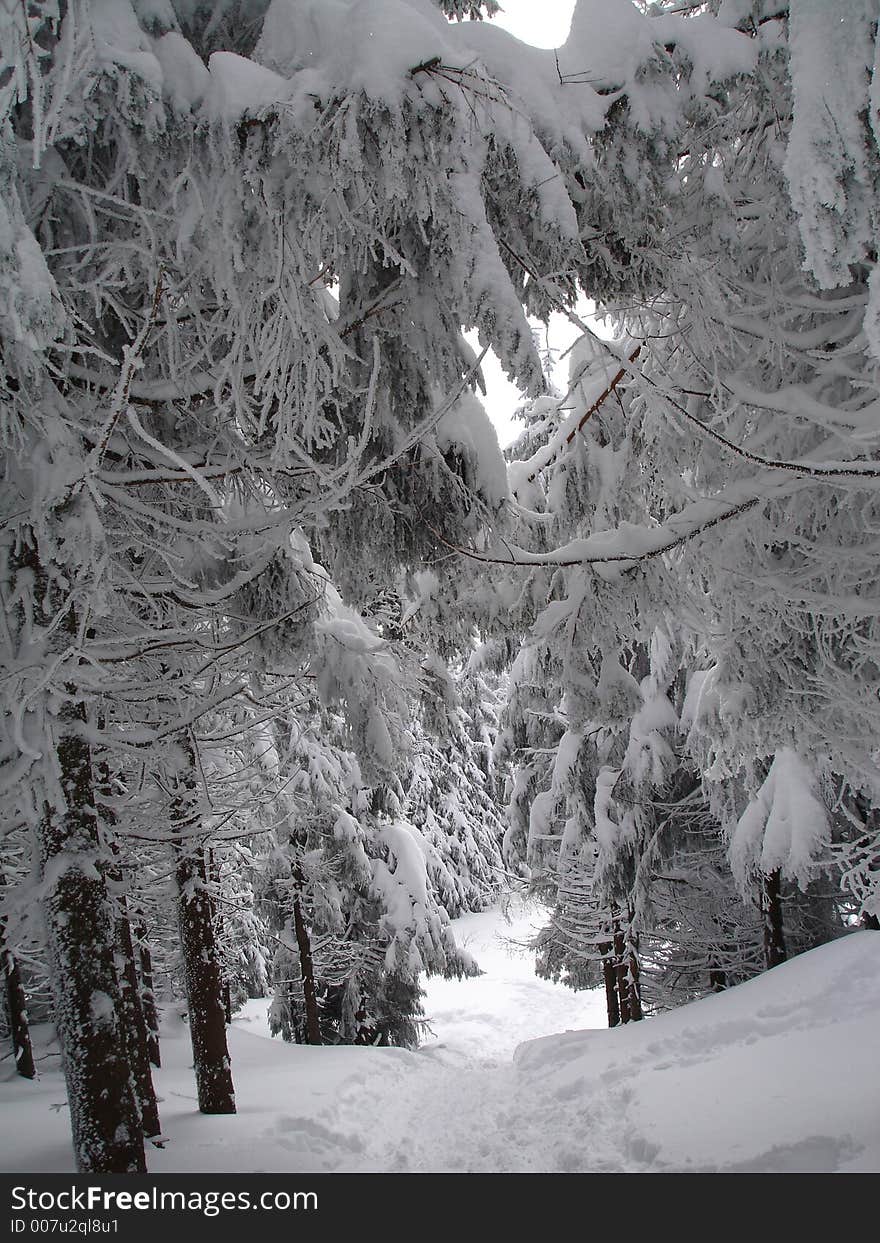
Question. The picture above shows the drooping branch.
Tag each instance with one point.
(816, 470)
(656, 541)
(596, 406)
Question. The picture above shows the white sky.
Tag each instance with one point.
(543, 23)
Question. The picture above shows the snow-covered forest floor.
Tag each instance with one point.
(778, 1074)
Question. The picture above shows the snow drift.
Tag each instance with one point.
(775, 1075)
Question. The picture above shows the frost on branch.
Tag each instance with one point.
(831, 162)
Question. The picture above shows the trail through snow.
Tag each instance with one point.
(456, 1102)
(776, 1075)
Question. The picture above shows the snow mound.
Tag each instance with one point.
(776, 1075)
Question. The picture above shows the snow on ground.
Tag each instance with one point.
(487, 1017)
(776, 1075)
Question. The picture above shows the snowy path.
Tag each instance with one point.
(750, 1080)
(776, 1075)
(471, 1110)
(455, 1104)
(741, 1081)
(462, 1119)
(484, 1019)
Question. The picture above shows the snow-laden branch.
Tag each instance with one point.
(628, 544)
(855, 470)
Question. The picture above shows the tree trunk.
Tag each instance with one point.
(612, 1002)
(201, 962)
(774, 940)
(303, 940)
(634, 985)
(16, 1005)
(717, 978)
(213, 873)
(306, 965)
(136, 1028)
(621, 972)
(103, 1111)
(148, 998)
(131, 1011)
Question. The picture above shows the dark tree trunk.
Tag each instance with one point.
(622, 989)
(16, 1005)
(297, 1032)
(131, 1011)
(609, 976)
(213, 872)
(203, 984)
(717, 978)
(621, 972)
(103, 1111)
(633, 970)
(136, 1029)
(201, 961)
(306, 965)
(148, 997)
(312, 1033)
(774, 939)
(624, 971)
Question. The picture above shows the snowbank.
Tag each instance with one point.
(778, 1074)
